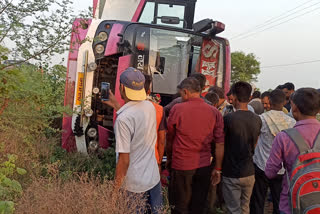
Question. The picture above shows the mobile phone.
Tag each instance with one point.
(105, 87)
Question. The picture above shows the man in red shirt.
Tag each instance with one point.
(192, 126)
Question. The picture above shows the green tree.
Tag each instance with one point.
(244, 67)
(31, 31)
(35, 29)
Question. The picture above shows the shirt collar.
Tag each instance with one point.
(196, 99)
(224, 104)
(126, 106)
(307, 122)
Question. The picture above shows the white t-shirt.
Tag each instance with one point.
(265, 141)
(136, 133)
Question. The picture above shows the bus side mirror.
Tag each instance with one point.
(171, 20)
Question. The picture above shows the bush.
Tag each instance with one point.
(68, 165)
(10, 189)
(87, 195)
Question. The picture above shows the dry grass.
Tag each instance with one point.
(84, 196)
(31, 152)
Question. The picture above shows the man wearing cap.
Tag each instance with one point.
(136, 136)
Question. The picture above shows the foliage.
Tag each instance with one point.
(10, 188)
(37, 29)
(244, 67)
(35, 99)
(6, 207)
(70, 165)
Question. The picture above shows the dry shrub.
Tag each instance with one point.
(86, 195)
(31, 151)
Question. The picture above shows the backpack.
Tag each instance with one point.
(304, 182)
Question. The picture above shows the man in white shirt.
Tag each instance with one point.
(273, 122)
(136, 136)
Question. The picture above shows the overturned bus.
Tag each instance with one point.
(159, 37)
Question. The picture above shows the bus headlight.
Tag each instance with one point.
(88, 112)
(92, 66)
(95, 90)
(103, 36)
(93, 145)
(99, 49)
(92, 132)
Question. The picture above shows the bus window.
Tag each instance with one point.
(147, 15)
(152, 9)
(171, 10)
(169, 56)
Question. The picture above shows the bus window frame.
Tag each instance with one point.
(189, 10)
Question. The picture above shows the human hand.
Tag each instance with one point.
(112, 102)
(215, 177)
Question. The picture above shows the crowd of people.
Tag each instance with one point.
(228, 147)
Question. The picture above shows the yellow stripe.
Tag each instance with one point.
(79, 88)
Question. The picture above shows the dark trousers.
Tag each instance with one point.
(188, 190)
(260, 190)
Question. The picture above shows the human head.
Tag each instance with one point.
(241, 92)
(147, 83)
(201, 78)
(280, 87)
(265, 99)
(189, 88)
(220, 92)
(305, 103)
(132, 85)
(256, 94)
(213, 98)
(288, 89)
(230, 97)
(277, 99)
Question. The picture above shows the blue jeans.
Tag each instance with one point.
(154, 197)
(153, 200)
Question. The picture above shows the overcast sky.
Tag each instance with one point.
(295, 41)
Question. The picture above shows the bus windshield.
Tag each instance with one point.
(169, 56)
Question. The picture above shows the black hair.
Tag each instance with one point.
(289, 86)
(191, 84)
(212, 97)
(307, 101)
(256, 94)
(242, 91)
(201, 78)
(277, 97)
(219, 91)
(148, 81)
(280, 87)
(265, 94)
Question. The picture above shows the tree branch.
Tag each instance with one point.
(34, 55)
(5, 7)
(6, 33)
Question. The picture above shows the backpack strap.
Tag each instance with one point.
(298, 140)
(316, 145)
